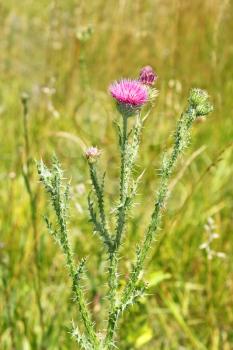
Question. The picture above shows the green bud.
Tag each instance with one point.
(24, 97)
(199, 100)
(83, 34)
(204, 109)
(197, 97)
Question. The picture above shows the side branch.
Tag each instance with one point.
(101, 227)
(52, 180)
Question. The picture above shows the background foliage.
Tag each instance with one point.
(64, 54)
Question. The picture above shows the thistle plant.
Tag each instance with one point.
(131, 97)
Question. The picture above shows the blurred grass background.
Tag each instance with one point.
(64, 54)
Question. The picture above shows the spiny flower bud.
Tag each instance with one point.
(92, 154)
(147, 76)
(199, 100)
(198, 96)
(203, 110)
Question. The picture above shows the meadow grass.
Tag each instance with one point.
(64, 54)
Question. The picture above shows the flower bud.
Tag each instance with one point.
(24, 97)
(204, 109)
(147, 76)
(197, 97)
(92, 154)
(199, 100)
(84, 33)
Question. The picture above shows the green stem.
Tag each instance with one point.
(78, 293)
(113, 280)
(128, 157)
(100, 199)
(33, 207)
(123, 185)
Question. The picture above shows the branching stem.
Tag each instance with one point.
(181, 140)
(118, 302)
(59, 197)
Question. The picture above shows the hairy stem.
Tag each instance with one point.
(59, 197)
(123, 185)
(103, 227)
(128, 157)
(113, 256)
(78, 293)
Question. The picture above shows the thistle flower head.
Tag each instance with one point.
(130, 95)
(147, 76)
(199, 100)
(92, 154)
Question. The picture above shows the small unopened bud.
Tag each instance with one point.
(147, 76)
(25, 100)
(92, 154)
(199, 99)
(204, 109)
(84, 34)
(198, 96)
(24, 97)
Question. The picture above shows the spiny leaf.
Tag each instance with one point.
(80, 338)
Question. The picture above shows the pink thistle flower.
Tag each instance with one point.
(129, 91)
(130, 95)
(147, 76)
(92, 154)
